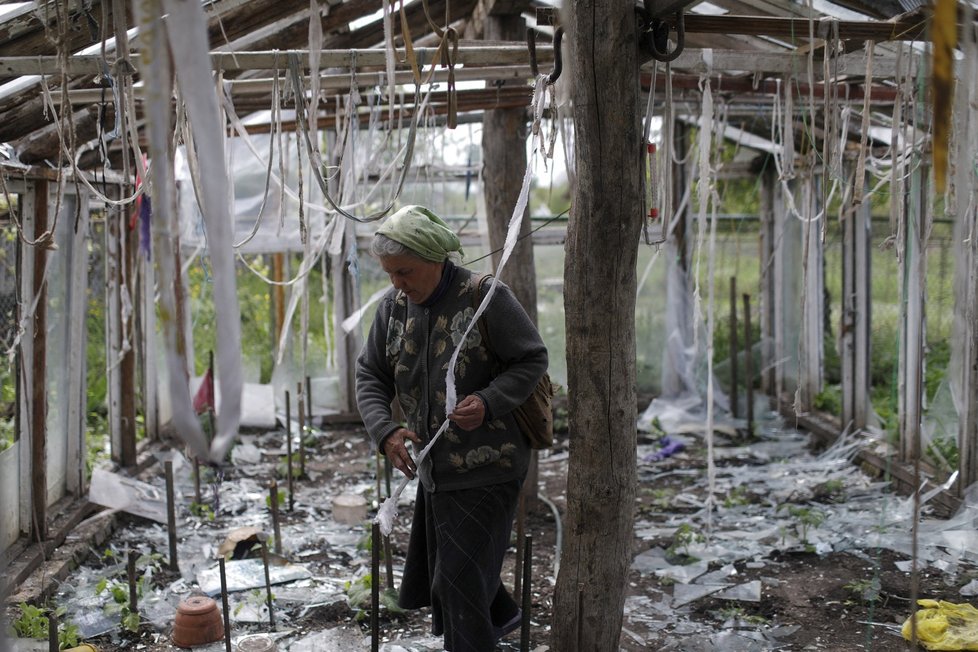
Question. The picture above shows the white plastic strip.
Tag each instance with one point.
(189, 48)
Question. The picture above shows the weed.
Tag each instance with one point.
(117, 588)
(864, 590)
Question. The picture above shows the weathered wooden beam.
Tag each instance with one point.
(906, 29)
(662, 8)
(490, 55)
(783, 62)
(38, 471)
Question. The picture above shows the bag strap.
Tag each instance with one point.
(476, 300)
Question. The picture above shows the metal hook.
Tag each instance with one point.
(531, 46)
(660, 38)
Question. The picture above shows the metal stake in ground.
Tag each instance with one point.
(288, 449)
(733, 346)
(748, 366)
(527, 570)
(375, 588)
(197, 497)
(224, 605)
(131, 576)
(171, 516)
(268, 584)
(302, 430)
(273, 505)
(53, 644)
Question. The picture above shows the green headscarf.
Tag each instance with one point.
(423, 232)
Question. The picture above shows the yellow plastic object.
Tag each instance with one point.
(944, 626)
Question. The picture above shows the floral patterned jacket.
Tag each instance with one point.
(408, 350)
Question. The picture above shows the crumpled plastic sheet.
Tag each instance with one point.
(944, 625)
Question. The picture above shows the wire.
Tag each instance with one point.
(496, 251)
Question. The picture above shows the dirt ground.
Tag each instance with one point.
(835, 601)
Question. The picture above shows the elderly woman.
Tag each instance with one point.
(470, 481)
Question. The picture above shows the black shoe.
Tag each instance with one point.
(512, 625)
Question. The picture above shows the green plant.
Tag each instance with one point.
(829, 400)
(283, 466)
(805, 519)
(737, 496)
(202, 511)
(944, 452)
(662, 498)
(738, 614)
(358, 594)
(864, 590)
(118, 588)
(33, 623)
(280, 494)
(684, 537)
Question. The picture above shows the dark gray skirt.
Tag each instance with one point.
(458, 541)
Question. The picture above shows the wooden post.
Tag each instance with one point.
(855, 318)
(770, 197)
(171, 516)
(268, 585)
(375, 587)
(127, 366)
(302, 430)
(597, 549)
(224, 604)
(288, 449)
(812, 293)
(133, 582)
(54, 645)
(913, 314)
(733, 346)
(520, 534)
(526, 600)
(38, 471)
(503, 165)
(273, 506)
(748, 366)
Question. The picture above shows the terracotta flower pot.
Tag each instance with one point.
(198, 622)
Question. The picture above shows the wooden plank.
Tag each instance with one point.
(127, 366)
(490, 55)
(25, 377)
(76, 309)
(813, 294)
(38, 414)
(913, 314)
(906, 29)
(781, 62)
(770, 193)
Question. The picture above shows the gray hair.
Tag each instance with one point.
(381, 247)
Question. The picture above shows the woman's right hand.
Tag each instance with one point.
(395, 448)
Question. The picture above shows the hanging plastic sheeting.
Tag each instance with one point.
(185, 30)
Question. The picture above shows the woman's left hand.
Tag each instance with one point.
(469, 413)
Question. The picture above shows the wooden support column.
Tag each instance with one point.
(599, 303)
(115, 217)
(813, 292)
(346, 302)
(76, 308)
(913, 315)
(787, 281)
(965, 336)
(127, 366)
(676, 364)
(771, 205)
(855, 317)
(38, 415)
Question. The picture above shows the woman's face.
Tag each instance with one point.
(415, 277)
